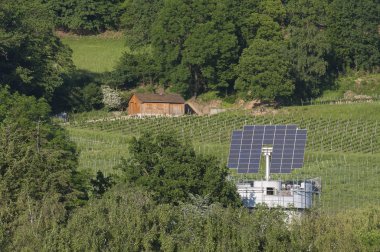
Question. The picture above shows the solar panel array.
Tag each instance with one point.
(288, 144)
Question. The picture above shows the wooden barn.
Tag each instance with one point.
(156, 104)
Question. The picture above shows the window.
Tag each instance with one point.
(270, 191)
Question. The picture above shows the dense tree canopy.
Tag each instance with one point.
(353, 28)
(173, 172)
(38, 178)
(32, 59)
(310, 51)
(263, 71)
(201, 46)
(137, 21)
(85, 16)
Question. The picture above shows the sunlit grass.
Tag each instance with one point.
(94, 53)
(354, 111)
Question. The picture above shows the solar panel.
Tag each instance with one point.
(288, 144)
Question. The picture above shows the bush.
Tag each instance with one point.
(111, 98)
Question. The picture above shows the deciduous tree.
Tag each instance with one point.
(353, 30)
(172, 171)
(32, 59)
(263, 71)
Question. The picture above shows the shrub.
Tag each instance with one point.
(111, 98)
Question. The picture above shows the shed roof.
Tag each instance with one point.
(160, 98)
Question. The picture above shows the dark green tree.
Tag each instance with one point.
(274, 9)
(309, 49)
(261, 26)
(138, 19)
(353, 30)
(101, 184)
(173, 172)
(209, 52)
(32, 59)
(79, 92)
(171, 27)
(86, 16)
(263, 71)
(37, 167)
(195, 45)
(134, 69)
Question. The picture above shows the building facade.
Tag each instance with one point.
(156, 104)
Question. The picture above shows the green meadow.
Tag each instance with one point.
(94, 53)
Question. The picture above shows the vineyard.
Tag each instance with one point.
(343, 153)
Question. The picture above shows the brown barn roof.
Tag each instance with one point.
(164, 98)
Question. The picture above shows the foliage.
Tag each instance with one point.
(360, 84)
(134, 69)
(92, 97)
(197, 51)
(137, 21)
(86, 16)
(309, 48)
(353, 230)
(197, 45)
(128, 219)
(172, 171)
(263, 71)
(80, 92)
(209, 96)
(32, 59)
(101, 183)
(111, 98)
(353, 32)
(37, 167)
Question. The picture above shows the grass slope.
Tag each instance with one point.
(94, 53)
(356, 111)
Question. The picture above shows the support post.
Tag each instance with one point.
(267, 167)
(267, 151)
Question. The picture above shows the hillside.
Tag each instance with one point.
(76, 177)
(343, 147)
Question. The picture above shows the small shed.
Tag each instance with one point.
(156, 104)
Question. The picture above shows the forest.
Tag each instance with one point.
(165, 196)
(272, 50)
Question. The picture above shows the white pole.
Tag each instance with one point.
(267, 154)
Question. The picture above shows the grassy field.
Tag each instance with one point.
(356, 111)
(94, 53)
(343, 147)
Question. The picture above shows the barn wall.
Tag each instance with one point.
(134, 106)
(151, 108)
(177, 109)
(155, 108)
